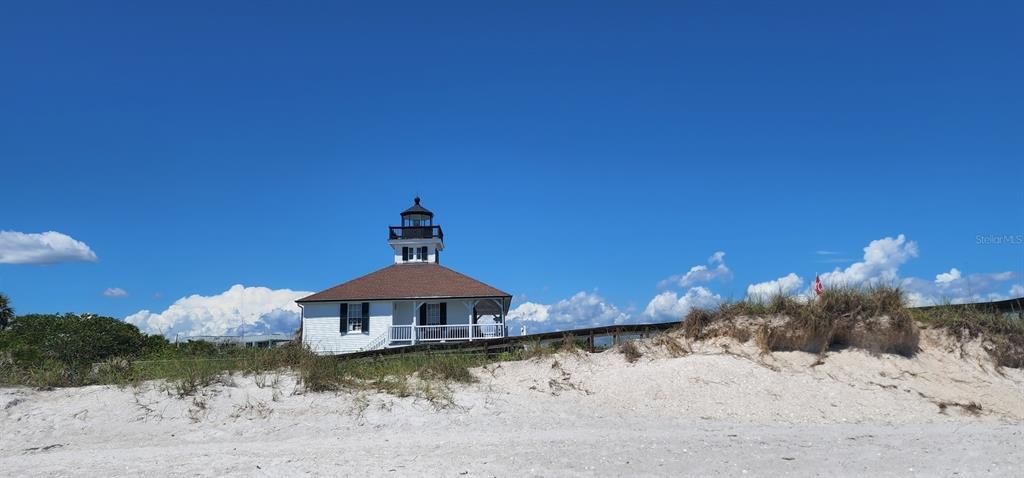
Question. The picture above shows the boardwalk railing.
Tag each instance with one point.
(491, 338)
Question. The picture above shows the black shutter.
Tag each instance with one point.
(423, 253)
(344, 318)
(423, 314)
(444, 313)
(405, 254)
(437, 256)
(366, 317)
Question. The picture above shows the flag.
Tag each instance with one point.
(819, 288)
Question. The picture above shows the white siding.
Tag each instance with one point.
(321, 327)
(432, 246)
(403, 313)
(459, 312)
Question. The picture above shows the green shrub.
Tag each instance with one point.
(39, 345)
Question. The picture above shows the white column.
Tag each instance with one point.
(469, 312)
(415, 314)
(501, 314)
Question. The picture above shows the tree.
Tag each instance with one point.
(6, 311)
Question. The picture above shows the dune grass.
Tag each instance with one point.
(186, 369)
(871, 318)
(192, 366)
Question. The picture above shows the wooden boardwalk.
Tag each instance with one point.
(612, 334)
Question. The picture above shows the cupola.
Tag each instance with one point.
(417, 240)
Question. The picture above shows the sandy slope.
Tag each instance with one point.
(717, 412)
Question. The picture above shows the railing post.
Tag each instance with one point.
(470, 330)
(412, 334)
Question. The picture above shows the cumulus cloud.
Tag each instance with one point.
(115, 292)
(668, 305)
(955, 288)
(948, 277)
(530, 312)
(238, 309)
(584, 309)
(881, 263)
(43, 248)
(1017, 290)
(716, 269)
(786, 285)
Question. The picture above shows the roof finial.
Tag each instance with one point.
(417, 200)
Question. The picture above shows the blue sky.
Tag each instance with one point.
(581, 148)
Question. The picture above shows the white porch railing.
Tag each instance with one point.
(400, 333)
(443, 333)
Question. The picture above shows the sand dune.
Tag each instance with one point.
(722, 410)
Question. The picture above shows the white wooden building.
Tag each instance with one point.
(414, 300)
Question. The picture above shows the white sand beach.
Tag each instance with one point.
(723, 410)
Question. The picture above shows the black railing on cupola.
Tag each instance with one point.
(415, 232)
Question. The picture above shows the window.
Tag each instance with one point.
(433, 314)
(416, 254)
(355, 318)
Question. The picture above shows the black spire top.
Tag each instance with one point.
(417, 209)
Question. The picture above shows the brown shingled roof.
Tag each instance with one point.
(407, 281)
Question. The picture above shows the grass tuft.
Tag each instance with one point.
(672, 345)
(631, 351)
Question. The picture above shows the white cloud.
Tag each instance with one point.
(947, 277)
(668, 305)
(238, 309)
(701, 273)
(115, 292)
(43, 248)
(786, 285)
(881, 262)
(1017, 290)
(530, 311)
(956, 288)
(584, 309)
(717, 258)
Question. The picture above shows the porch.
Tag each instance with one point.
(452, 320)
(413, 334)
